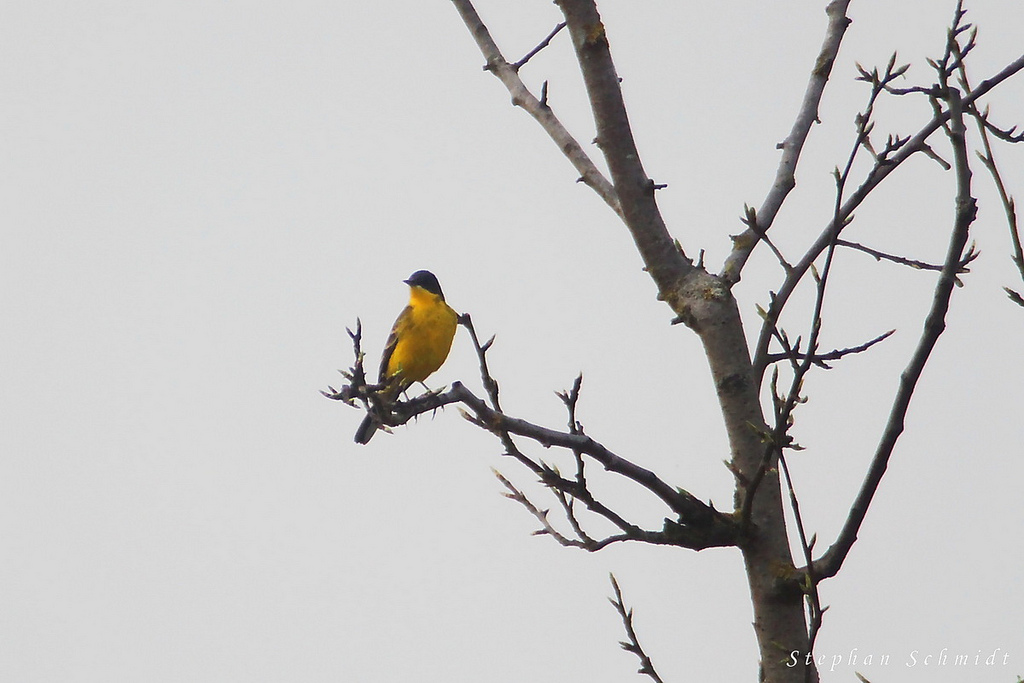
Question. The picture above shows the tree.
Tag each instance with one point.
(761, 387)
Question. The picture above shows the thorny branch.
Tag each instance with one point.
(547, 475)
(697, 523)
(565, 491)
(694, 524)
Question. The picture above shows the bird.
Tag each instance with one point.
(417, 346)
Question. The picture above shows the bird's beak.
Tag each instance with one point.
(408, 282)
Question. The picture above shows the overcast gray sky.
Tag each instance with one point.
(198, 197)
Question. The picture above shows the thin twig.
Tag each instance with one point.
(1006, 135)
(820, 359)
(882, 256)
(810, 586)
(988, 160)
(570, 399)
(373, 397)
(543, 44)
(633, 645)
(585, 542)
(750, 220)
(702, 524)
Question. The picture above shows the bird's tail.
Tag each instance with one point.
(370, 424)
(367, 428)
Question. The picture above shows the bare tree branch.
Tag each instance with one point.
(750, 220)
(697, 525)
(810, 585)
(1005, 134)
(646, 665)
(877, 174)
(543, 44)
(508, 74)
(882, 256)
(564, 490)
(935, 324)
(864, 124)
(966, 211)
(785, 177)
(820, 359)
(584, 541)
(778, 439)
(663, 258)
(704, 302)
(702, 525)
(988, 159)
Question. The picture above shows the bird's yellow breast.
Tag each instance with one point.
(424, 334)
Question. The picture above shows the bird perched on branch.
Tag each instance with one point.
(417, 346)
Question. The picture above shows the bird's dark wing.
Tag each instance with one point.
(389, 347)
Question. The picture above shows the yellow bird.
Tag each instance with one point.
(418, 344)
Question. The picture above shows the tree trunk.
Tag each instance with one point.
(708, 307)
